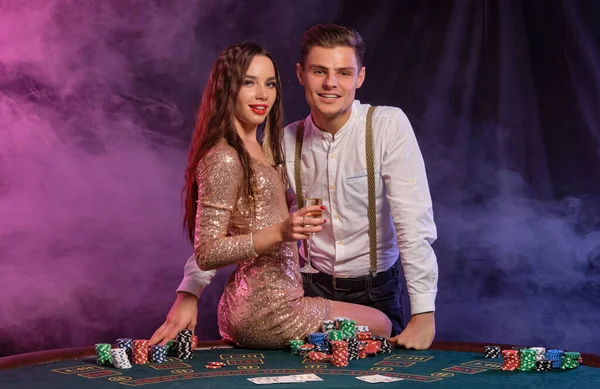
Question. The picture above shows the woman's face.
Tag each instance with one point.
(257, 93)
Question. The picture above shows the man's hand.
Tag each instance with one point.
(418, 334)
(183, 314)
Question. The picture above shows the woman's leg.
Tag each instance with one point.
(377, 321)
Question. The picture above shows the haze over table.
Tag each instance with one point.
(97, 103)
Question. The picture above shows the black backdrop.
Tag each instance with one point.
(97, 104)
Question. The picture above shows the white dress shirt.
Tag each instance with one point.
(334, 168)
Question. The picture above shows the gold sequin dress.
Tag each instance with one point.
(263, 304)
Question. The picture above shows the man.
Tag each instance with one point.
(333, 162)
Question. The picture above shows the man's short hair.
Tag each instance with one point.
(331, 35)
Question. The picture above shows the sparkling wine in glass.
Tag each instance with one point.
(318, 214)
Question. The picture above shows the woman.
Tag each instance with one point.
(236, 210)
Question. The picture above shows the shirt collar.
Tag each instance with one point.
(325, 135)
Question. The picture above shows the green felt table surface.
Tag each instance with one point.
(419, 369)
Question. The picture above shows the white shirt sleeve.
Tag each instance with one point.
(403, 170)
(195, 280)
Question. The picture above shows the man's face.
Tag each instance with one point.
(330, 77)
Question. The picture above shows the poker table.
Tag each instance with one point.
(444, 365)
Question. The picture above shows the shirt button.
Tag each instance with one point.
(333, 156)
(332, 186)
(340, 242)
(336, 216)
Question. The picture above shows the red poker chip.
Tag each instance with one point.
(217, 363)
(212, 366)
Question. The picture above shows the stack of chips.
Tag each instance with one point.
(512, 360)
(140, 351)
(171, 348)
(492, 351)
(555, 356)
(327, 326)
(339, 351)
(539, 353)
(305, 349)
(543, 365)
(338, 322)
(120, 358)
(527, 360)
(386, 345)
(336, 335)
(184, 344)
(158, 354)
(322, 348)
(347, 328)
(372, 347)
(103, 354)
(295, 345)
(194, 342)
(358, 329)
(127, 344)
(363, 336)
(353, 348)
(327, 344)
(316, 338)
(316, 356)
(570, 360)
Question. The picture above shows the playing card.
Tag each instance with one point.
(378, 378)
(287, 379)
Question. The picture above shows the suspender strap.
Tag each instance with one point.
(297, 162)
(371, 182)
(297, 172)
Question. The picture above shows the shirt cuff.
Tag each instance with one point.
(422, 303)
(196, 283)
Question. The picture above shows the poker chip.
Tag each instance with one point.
(120, 358)
(217, 363)
(339, 351)
(140, 351)
(213, 366)
(171, 347)
(184, 346)
(492, 352)
(127, 344)
(512, 359)
(555, 356)
(316, 338)
(347, 327)
(338, 321)
(158, 354)
(327, 326)
(570, 360)
(295, 345)
(305, 349)
(363, 335)
(103, 354)
(543, 365)
(353, 348)
(539, 352)
(358, 329)
(336, 335)
(194, 342)
(528, 361)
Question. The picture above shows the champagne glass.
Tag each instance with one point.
(307, 268)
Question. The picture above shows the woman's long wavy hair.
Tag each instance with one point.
(214, 122)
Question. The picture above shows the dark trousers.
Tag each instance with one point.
(383, 292)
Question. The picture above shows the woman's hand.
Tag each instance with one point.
(302, 223)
